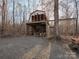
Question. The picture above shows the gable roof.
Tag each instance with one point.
(37, 11)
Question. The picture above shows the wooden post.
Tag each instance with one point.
(34, 18)
(40, 17)
(37, 16)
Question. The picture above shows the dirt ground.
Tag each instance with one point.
(34, 48)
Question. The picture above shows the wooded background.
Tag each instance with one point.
(14, 21)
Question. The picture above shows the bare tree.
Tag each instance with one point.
(13, 14)
(3, 15)
(56, 17)
(68, 12)
(48, 7)
(76, 16)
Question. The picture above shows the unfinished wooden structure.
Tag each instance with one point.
(37, 25)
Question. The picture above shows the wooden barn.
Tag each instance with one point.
(37, 25)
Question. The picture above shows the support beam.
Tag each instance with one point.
(64, 19)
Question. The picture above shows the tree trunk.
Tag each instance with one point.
(13, 14)
(56, 18)
(3, 17)
(76, 17)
